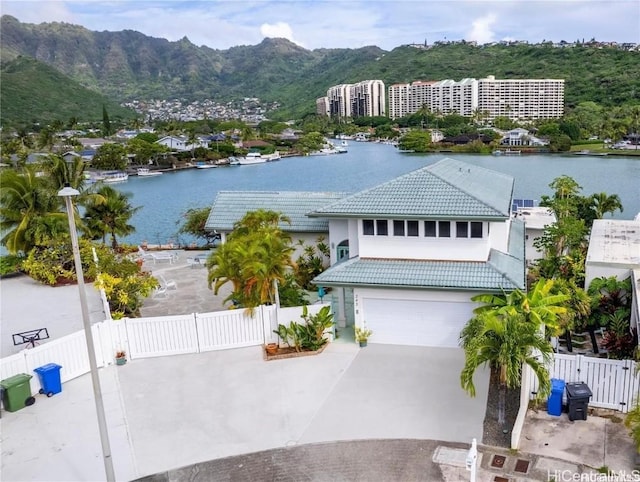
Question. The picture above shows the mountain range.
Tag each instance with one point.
(128, 65)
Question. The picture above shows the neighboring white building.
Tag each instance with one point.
(614, 249)
(522, 99)
(229, 207)
(408, 255)
(180, 143)
(521, 137)
(535, 220)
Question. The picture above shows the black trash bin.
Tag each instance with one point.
(578, 395)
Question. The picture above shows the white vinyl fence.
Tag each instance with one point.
(151, 337)
(615, 384)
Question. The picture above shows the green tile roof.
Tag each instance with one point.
(402, 273)
(502, 271)
(230, 206)
(447, 189)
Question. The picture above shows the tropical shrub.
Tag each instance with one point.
(10, 264)
(608, 296)
(618, 339)
(308, 336)
(125, 294)
(52, 261)
(312, 262)
(290, 293)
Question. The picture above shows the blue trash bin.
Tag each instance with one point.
(554, 403)
(49, 379)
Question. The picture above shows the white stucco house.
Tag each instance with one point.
(407, 255)
(180, 143)
(411, 252)
(521, 137)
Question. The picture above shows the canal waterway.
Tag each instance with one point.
(164, 199)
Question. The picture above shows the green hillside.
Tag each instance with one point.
(34, 92)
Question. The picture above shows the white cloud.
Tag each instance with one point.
(278, 30)
(221, 24)
(481, 31)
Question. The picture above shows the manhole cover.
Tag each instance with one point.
(522, 466)
(498, 461)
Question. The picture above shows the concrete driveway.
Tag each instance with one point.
(187, 409)
(180, 410)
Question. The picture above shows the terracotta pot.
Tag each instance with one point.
(272, 348)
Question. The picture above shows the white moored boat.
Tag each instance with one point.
(114, 176)
(145, 172)
(251, 158)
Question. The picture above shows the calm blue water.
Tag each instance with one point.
(164, 199)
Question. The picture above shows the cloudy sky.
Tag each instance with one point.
(221, 24)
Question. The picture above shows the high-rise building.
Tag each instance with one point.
(521, 99)
(364, 99)
(368, 99)
(526, 99)
(322, 106)
(339, 100)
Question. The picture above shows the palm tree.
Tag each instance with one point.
(256, 255)
(63, 173)
(224, 267)
(507, 332)
(506, 342)
(268, 265)
(603, 203)
(109, 213)
(30, 211)
(540, 306)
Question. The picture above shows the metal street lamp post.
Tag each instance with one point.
(67, 193)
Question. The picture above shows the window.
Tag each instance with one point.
(430, 229)
(367, 227)
(382, 227)
(412, 228)
(444, 229)
(476, 229)
(462, 228)
(398, 228)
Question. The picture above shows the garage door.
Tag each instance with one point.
(409, 322)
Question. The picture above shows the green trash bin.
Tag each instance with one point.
(17, 392)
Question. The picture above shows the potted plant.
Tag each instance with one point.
(362, 335)
(271, 348)
(121, 357)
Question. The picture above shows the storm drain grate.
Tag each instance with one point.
(497, 478)
(498, 461)
(522, 466)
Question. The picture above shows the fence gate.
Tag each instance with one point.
(615, 384)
